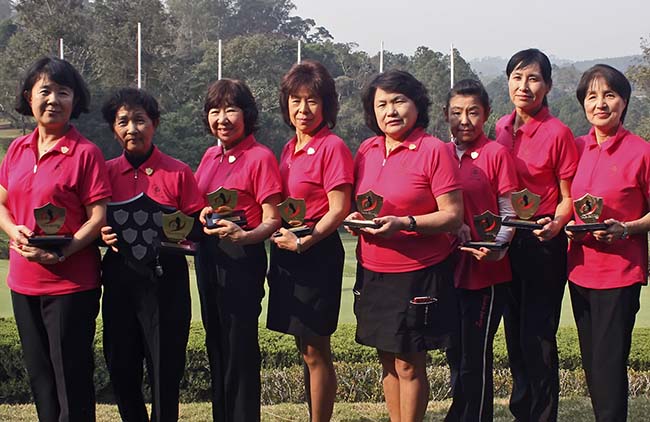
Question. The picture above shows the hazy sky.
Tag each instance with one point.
(568, 29)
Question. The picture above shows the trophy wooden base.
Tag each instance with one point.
(359, 224)
(237, 217)
(588, 227)
(300, 231)
(497, 246)
(49, 241)
(185, 247)
(510, 221)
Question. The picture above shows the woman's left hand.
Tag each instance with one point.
(287, 240)
(549, 231)
(614, 231)
(389, 225)
(34, 254)
(227, 229)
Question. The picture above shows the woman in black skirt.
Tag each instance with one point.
(404, 299)
(306, 273)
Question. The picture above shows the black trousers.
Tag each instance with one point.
(605, 319)
(471, 361)
(231, 287)
(532, 317)
(146, 318)
(56, 333)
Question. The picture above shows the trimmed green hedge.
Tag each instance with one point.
(357, 367)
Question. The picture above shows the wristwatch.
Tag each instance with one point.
(625, 233)
(412, 223)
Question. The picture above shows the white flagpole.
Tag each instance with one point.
(299, 51)
(452, 65)
(139, 56)
(219, 65)
(381, 57)
(61, 48)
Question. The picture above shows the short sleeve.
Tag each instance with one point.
(566, 155)
(266, 178)
(93, 184)
(190, 200)
(507, 179)
(444, 172)
(338, 166)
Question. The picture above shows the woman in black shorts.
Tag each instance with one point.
(306, 273)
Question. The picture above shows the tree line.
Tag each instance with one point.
(179, 60)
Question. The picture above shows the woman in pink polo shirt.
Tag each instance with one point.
(145, 308)
(306, 273)
(231, 263)
(545, 157)
(55, 291)
(608, 267)
(488, 176)
(404, 299)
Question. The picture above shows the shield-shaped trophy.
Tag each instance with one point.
(223, 202)
(369, 206)
(588, 208)
(50, 219)
(138, 224)
(176, 227)
(293, 213)
(525, 204)
(487, 226)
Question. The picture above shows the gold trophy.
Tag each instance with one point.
(525, 204)
(369, 206)
(293, 213)
(589, 208)
(223, 202)
(176, 227)
(487, 225)
(50, 219)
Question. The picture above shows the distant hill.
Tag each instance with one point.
(488, 68)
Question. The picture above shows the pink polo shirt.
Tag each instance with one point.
(618, 171)
(486, 172)
(72, 175)
(409, 179)
(544, 151)
(320, 166)
(249, 168)
(162, 178)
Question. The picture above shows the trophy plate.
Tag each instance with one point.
(359, 224)
(589, 227)
(520, 224)
(497, 246)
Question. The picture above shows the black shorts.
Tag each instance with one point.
(387, 318)
(305, 289)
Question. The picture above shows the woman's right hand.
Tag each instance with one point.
(109, 238)
(574, 236)
(353, 216)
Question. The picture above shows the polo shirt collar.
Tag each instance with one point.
(235, 151)
(610, 143)
(473, 150)
(412, 142)
(314, 143)
(533, 124)
(65, 145)
(148, 167)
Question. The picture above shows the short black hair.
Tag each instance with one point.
(314, 77)
(232, 92)
(130, 98)
(401, 82)
(530, 56)
(61, 72)
(470, 87)
(615, 79)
